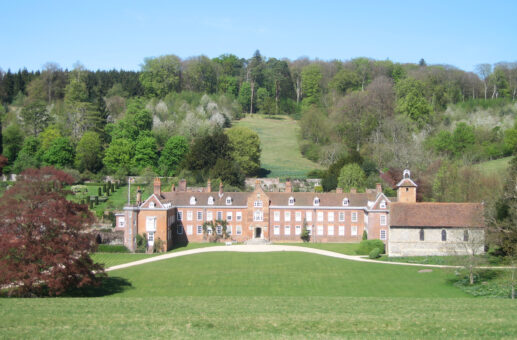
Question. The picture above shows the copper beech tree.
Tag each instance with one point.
(44, 243)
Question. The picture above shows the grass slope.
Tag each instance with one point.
(497, 166)
(280, 274)
(279, 142)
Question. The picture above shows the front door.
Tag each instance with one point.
(258, 232)
(150, 239)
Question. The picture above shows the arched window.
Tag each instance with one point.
(316, 201)
(151, 205)
(291, 200)
(210, 200)
(345, 201)
(192, 200)
(444, 235)
(258, 216)
(421, 234)
(465, 235)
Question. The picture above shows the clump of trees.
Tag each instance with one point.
(44, 243)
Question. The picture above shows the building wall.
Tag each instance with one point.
(406, 241)
(258, 195)
(375, 226)
(161, 225)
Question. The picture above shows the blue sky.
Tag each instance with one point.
(120, 34)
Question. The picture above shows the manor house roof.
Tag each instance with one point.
(436, 215)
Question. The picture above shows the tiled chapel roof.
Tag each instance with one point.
(436, 215)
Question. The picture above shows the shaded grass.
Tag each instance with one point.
(279, 142)
(281, 274)
(257, 318)
(496, 166)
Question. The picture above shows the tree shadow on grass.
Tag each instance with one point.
(261, 173)
(109, 285)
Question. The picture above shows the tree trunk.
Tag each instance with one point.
(252, 94)
(277, 94)
(486, 89)
(298, 90)
(471, 275)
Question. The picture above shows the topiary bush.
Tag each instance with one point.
(366, 246)
(375, 253)
(110, 248)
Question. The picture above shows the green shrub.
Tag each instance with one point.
(108, 248)
(365, 235)
(366, 246)
(375, 253)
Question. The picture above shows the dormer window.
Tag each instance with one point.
(151, 205)
(257, 204)
(228, 201)
(383, 205)
(291, 200)
(210, 200)
(192, 200)
(345, 202)
(316, 201)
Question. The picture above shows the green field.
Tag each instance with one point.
(279, 142)
(263, 295)
(497, 166)
(342, 248)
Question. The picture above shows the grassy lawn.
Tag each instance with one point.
(231, 317)
(497, 166)
(263, 295)
(342, 248)
(485, 260)
(113, 259)
(279, 142)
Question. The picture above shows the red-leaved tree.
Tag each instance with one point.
(44, 243)
(3, 162)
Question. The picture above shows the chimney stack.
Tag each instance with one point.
(288, 186)
(157, 187)
(257, 184)
(209, 185)
(138, 196)
(353, 190)
(378, 187)
(221, 189)
(173, 187)
(339, 190)
(183, 185)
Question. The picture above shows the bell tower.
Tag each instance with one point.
(406, 188)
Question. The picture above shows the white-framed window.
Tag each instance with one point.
(345, 202)
(180, 229)
(238, 230)
(150, 223)
(219, 215)
(316, 201)
(383, 204)
(276, 230)
(330, 216)
(287, 230)
(309, 229)
(330, 230)
(121, 222)
(298, 216)
(229, 229)
(199, 229)
(209, 216)
(383, 234)
(150, 238)
(353, 230)
(291, 200)
(211, 200)
(287, 216)
(320, 216)
(192, 200)
(219, 230)
(341, 216)
(308, 216)
(189, 215)
(298, 230)
(320, 230)
(238, 215)
(258, 216)
(152, 205)
(354, 216)
(180, 215)
(169, 233)
(228, 201)
(229, 216)
(257, 204)
(383, 219)
(341, 230)
(209, 230)
(200, 216)
(189, 230)
(276, 216)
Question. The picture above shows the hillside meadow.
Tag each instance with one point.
(262, 295)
